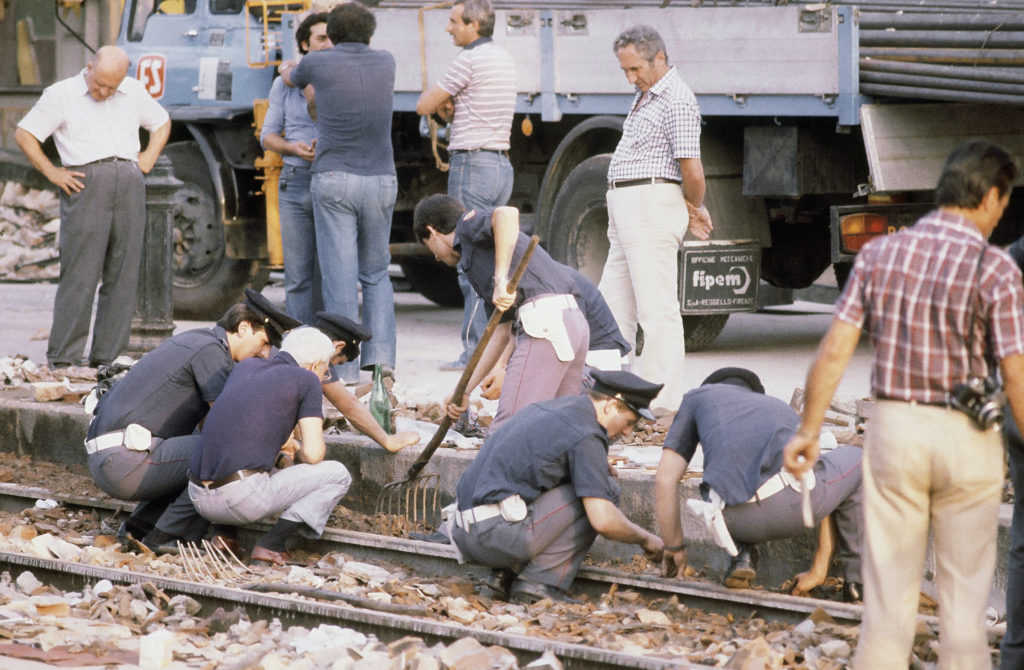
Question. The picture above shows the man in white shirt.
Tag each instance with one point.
(94, 118)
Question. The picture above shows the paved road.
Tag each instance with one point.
(777, 344)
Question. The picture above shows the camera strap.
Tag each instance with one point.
(976, 296)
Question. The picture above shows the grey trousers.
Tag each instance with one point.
(837, 491)
(303, 492)
(548, 546)
(101, 235)
(157, 478)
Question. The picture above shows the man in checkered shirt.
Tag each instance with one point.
(938, 302)
(648, 212)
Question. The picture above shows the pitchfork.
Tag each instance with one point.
(415, 498)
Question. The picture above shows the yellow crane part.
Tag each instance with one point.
(270, 163)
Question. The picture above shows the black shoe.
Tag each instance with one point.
(160, 542)
(129, 536)
(853, 592)
(742, 568)
(498, 583)
(526, 591)
(437, 537)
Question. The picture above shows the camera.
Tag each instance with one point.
(982, 400)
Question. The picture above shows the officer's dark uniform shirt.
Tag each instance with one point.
(543, 446)
(169, 390)
(742, 433)
(256, 413)
(604, 330)
(474, 240)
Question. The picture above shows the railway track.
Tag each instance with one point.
(431, 561)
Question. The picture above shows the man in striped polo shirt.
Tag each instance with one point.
(655, 190)
(478, 96)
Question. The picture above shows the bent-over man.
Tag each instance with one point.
(540, 492)
(938, 302)
(230, 473)
(742, 432)
(94, 118)
(551, 330)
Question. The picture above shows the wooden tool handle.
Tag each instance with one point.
(471, 364)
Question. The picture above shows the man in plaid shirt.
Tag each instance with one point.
(655, 188)
(938, 302)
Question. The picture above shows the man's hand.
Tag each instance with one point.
(800, 453)
(401, 440)
(490, 387)
(446, 112)
(673, 564)
(700, 222)
(306, 152)
(502, 299)
(455, 411)
(654, 548)
(66, 180)
(805, 582)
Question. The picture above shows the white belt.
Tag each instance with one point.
(105, 441)
(563, 300)
(466, 518)
(776, 483)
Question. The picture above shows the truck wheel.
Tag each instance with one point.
(433, 280)
(579, 237)
(206, 280)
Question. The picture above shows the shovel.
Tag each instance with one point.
(415, 497)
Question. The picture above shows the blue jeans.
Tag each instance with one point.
(479, 180)
(302, 286)
(1012, 649)
(353, 229)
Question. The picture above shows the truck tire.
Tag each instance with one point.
(206, 280)
(433, 280)
(579, 237)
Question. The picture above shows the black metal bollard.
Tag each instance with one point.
(152, 323)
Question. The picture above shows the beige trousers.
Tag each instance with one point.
(928, 467)
(640, 282)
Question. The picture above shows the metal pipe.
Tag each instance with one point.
(945, 21)
(941, 38)
(964, 56)
(913, 92)
(941, 83)
(997, 74)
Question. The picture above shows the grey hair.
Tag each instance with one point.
(645, 39)
(308, 346)
(480, 11)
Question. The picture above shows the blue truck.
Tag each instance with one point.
(823, 124)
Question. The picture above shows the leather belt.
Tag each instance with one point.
(503, 152)
(941, 403)
(104, 441)
(626, 183)
(230, 479)
(108, 159)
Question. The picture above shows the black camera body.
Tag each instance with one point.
(982, 399)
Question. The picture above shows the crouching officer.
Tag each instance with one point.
(143, 431)
(540, 491)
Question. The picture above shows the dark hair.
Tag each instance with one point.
(305, 28)
(236, 314)
(971, 171)
(645, 39)
(350, 22)
(480, 11)
(439, 211)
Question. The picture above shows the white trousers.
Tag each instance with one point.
(640, 283)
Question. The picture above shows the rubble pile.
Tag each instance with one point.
(29, 225)
(140, 619)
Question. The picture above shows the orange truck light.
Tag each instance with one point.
(857, 229)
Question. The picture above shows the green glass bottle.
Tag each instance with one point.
(380, 403)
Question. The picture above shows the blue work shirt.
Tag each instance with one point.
(742, 433)
(542, 447)
(355, 96)
(474, 240)
(288, 116)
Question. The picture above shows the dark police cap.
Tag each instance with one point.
(634, 392)
(340, 328)
(275, 322)
(737, 377)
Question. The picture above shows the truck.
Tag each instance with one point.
(822, 124)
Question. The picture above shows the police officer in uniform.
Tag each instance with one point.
(144, 429)
(535, 498)
(742, 432)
